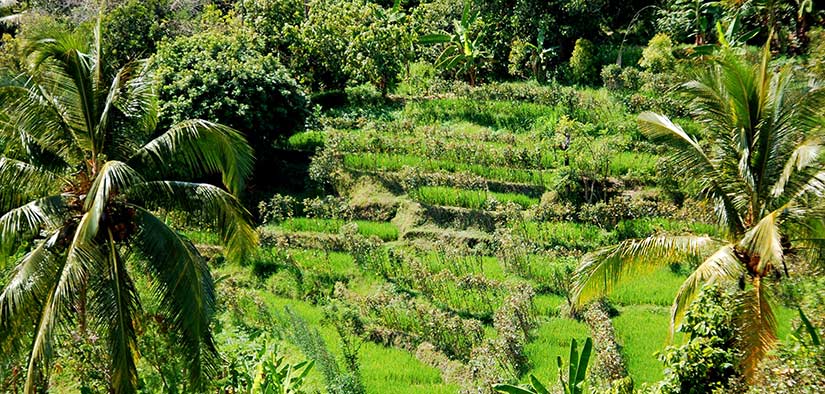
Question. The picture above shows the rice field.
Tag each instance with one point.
(383, 230)
(471, 199)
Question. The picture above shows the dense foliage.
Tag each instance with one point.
(224, 77)
(87, 178)
(447, 194)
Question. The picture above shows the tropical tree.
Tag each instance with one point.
(462, 51)
(79, 189)
(759, 162)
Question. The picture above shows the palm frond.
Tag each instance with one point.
(805, 155)
(205, 202)
(195, 148)
(601, 270)
(184, 285)
(764, 241)
(69, 279)
(24, 222)
(115, 306)
(114, 177)
(131, 96)
(757, 326)
(21, 181)
(38, 120)
(29, 281)
(692, 158)
(720, 266)
(69, 69)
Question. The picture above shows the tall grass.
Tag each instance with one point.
(307, 141)
(656, 288)
(564, 235)
(384, 230)
(550, 340)
(518, 117)
(388, 369)
(643, 331)
(203, 237)
(645, 227)
(472, 199)
(337, 262)
(634, 164)
(463, 264)
(395, 162)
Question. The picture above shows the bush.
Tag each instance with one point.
(631, 78)
(583, 61)
(612, 77)
(223, 77)
(135, 28)
(267, 19)
(364, 95)
(378, 49)
(346, 42)
(277, 209)
(617, 78)
(708, 361)
(658, 56)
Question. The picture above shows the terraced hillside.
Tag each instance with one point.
(436, 257)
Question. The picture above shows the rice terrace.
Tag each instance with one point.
(412, 196)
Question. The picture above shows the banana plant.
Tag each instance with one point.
(536, 387)
(538, 56)
(577, 368)
(462, 52)
(275, 376)
(809, 328)
(573, 384)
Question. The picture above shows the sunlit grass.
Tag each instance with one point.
(568, 235)
(383, 230)
(473, 199)
(657, 288)
(382, 368)
(518, 117)
(395, 162)
(552, 339)
(642, 331)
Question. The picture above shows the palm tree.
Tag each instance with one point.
(78, 192)
(760, 163)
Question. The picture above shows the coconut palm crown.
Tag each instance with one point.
(80, 182)
(759, 162)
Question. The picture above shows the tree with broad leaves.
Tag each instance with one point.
(80, 182)
(760, 163)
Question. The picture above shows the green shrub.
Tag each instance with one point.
(345, 42)
(278, 208)
(617, 78)
(379, 48)
(135, 28)
(583, 61)
(658, 55)
(612, 77)
(364, 95)
(223, 77)
(631, 78)
(708, 361)
(422, 79)
(268, 18)
(308, 141)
